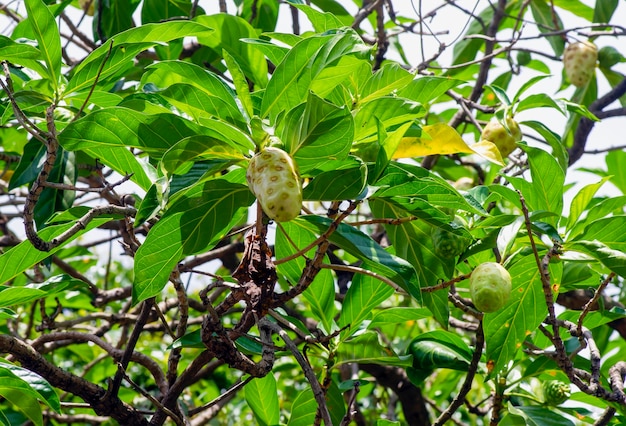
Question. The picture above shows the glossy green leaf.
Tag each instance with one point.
(316, 131)
(412, 241)
(10, 296)
(198, 148)
(303, 409)
(553, 139)
(611, 231)
(548, 19)
(604, 10)
(321, 21)
(367, 348)
(398, 315)
(506, 329)
(231, 30)
(545, 192)
(47, 35)
(615, 169)
(290, 83)
(539, 416)
(341, 184)
(363, 295)
(196, 221)
(426, 89)
(240, 83)
(389, 78)
(118, 53)
(22, 54)
(613, 259)
(363, 247)
(24, 256)
(388, 110)
(42, 389)
(600, 210)
(581, 202)
(262, 397)
(438, 349)
(321, 293)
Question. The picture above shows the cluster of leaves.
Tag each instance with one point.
(142, 147)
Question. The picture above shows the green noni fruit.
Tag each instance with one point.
(448, 244)
(497, 134)
(490, 286)
(555, 392)
(273, 178)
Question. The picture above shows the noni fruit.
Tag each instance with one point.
(490, 286)
(555, 392)
(579, 61)
(448, 244)
(273, 178)
(497, 134)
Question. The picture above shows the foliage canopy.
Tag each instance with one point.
(141, 283)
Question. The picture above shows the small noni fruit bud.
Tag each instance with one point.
(448, 244)
(490, 286)
(497, 134)
(555, 392)
(273, 178)
(579, 61)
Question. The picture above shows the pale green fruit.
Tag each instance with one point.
(273, 178)
(490, 286)
(579, 61)
(497, 134)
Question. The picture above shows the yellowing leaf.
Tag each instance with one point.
(441, 139)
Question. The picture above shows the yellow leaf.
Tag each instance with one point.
(441, 139)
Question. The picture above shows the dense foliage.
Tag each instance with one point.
(142, 283)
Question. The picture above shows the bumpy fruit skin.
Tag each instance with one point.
(497, 134)
(273, 178)
(490, 286)
(579, 61)
(555, 392)
(448, 244)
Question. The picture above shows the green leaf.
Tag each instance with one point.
(398, 315)
(231, 30)
(390, 111)
(581, 201)
(262, 397)
(316, 131)
(123, 49)
(506, 329)
(548, 21)
(539, 416)
(194, 90)
(321, 292)
(321, 21)
(47, 34)
(240, 83)
(389, 78)
(613, 259)
(114, 17)
(412, 242)
(24, 256)
(42, 389)
(553, 139)
(611, 231)
(363, 295)
(426, 89)
(21, 54)
(17, 295)
(303, 409)
(184, 153)
(197, 219)
(604, 10)
(363, 247)
(106, 135)
(545, 192)
(614, 163)
(366, 348)
(438, 349)
(527, 85)
(290, 83)
(344, 183)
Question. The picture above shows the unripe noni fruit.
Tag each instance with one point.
(448, 244)
(497, 134)
(555, 392)
(273, 178)
(579, 61)
(490, 286)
